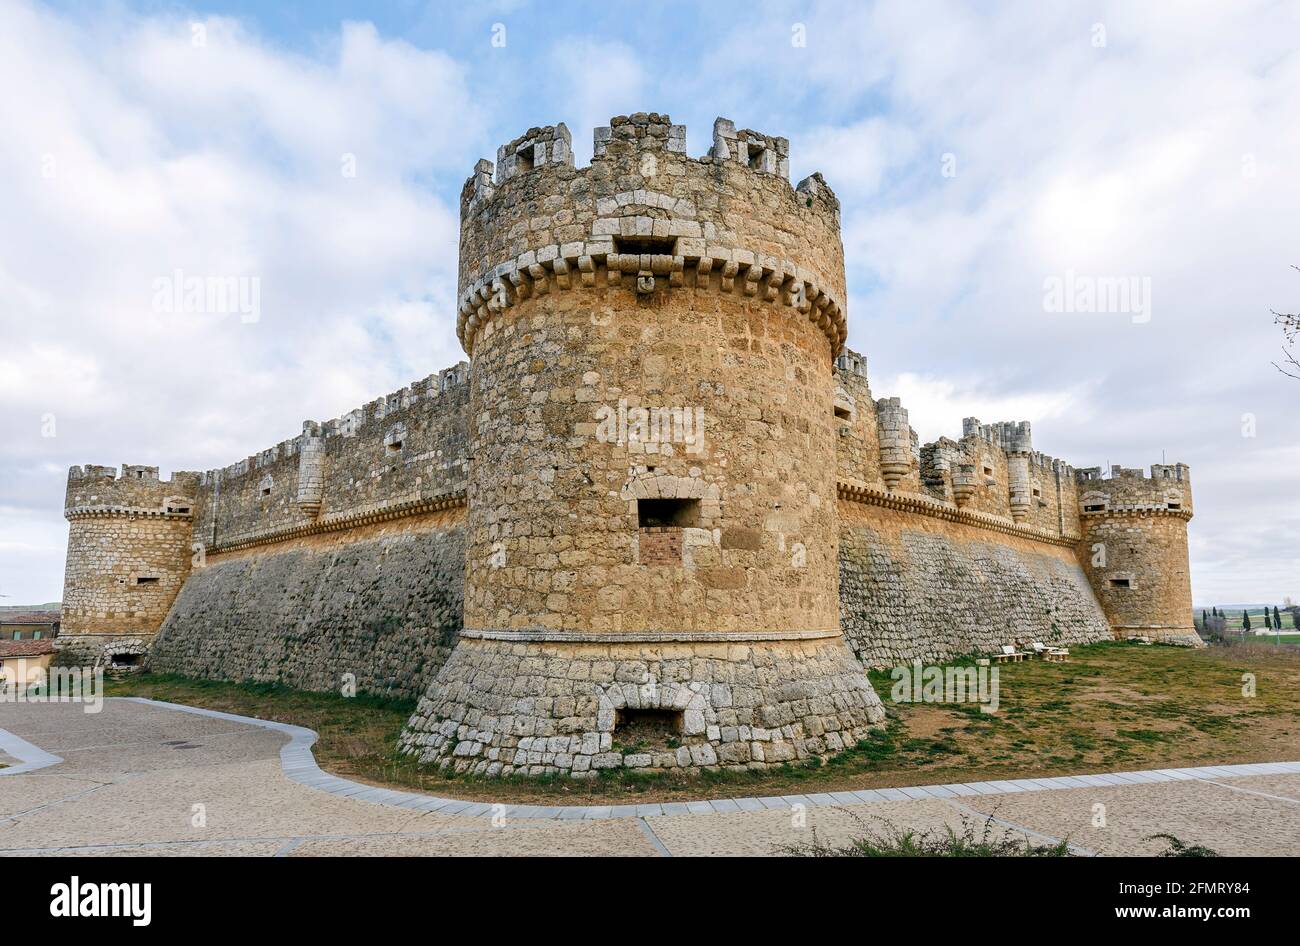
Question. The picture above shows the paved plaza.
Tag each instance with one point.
(151, 778)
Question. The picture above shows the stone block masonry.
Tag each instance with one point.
(566, 595)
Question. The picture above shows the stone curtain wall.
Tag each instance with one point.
(399, 449)
(918, 588)
(380, 602)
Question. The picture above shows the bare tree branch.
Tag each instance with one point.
(1290, 322)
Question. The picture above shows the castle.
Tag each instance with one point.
(661, 497)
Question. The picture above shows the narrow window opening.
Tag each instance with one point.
(395, 447)
(524, 159)
(1095, 507)
(1121, 583)
(843, 413)
(988, 471)
(147, 580)
(645, 245)
(659, 513)
(266, 491)
(1175, 505)
(636, 729)
(756, 153)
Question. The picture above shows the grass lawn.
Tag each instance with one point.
(1113, 706)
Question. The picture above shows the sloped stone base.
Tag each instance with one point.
(1175, 636)
(527, 707)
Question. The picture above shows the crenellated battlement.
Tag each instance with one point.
(427, 393)
(102, 490)
(1168, 488)
(646, 217)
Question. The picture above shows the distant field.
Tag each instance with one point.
(1232, 617)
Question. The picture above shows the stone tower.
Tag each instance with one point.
(129, 541)
(1134, 549)
(651, 552)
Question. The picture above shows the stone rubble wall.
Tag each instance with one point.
(919, 588)
(382, 603)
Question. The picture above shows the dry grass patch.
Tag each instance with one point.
(1113, 706)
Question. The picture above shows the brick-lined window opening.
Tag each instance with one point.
(660, 523)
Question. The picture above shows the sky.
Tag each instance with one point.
(983, 154)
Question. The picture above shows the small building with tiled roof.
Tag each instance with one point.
(25, 663)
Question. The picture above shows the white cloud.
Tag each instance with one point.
(132, 153)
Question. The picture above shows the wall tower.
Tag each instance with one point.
(1134, 549)
(129, 553)
(651, 564)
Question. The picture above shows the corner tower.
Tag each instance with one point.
(652, 550)
(129, 553)
(1134, 549)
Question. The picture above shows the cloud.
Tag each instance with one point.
(137, 152)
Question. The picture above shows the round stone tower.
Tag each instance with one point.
(652, 552)
(1134, 549)
(129, 550)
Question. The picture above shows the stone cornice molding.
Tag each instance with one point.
(339, 523)
(130, 512)
(1136, 510)
(928, 507)
(594, 263)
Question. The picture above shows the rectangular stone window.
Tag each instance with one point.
(843, 413)
(636, 729)
(266, 491)
(524, 159)
(1121, 583)
(645, 245)
(1096, 507)
(395, 447)
(673, 513)
(147, 580)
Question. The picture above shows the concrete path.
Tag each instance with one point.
(152, 778)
